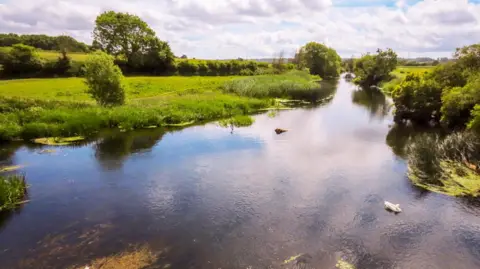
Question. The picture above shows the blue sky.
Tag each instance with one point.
(263, 28)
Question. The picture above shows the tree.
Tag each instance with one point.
(127, 36)
(104, 79)
(371, 69)
(20, 60)
(184, 56)
(320, 59)
(122, 34)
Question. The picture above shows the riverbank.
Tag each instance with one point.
(449, 165)
(46, 109)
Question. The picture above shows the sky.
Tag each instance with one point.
(219, 29)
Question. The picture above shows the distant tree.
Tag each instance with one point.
(320, 59)
(372, 69)
(348, 65)
(104, 79)
(184, 56)
(21, 60)
(279, 61)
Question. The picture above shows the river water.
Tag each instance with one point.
(209, 198)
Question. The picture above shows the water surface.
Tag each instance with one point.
(209, 198)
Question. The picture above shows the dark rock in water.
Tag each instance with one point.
(279, 131)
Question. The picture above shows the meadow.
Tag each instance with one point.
(35, 108)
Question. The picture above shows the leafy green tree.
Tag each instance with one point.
(417, 98)
(43, 42)
(128, 36)
(371, 69)
(320, 59)
(104, 79)
(21, 60)
(458, 102)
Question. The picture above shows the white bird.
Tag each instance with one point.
(393, 207)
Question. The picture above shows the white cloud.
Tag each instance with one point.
(260, 28)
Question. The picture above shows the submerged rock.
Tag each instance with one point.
(280, 131)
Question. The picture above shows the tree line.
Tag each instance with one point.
(43, 42)
(137, 50)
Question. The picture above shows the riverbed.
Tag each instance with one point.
(206, 197)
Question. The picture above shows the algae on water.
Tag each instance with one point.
(58, 141)
(341, 264)
(10, 168)
(456, 180)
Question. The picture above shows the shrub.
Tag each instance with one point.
(104, 80)
(21, 60)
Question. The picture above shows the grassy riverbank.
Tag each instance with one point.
(46, 107)
(450, 166)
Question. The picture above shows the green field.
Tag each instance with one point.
(54, 55)
(73, 89)
(35, 108)
(400, 73)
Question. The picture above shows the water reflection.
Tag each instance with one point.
(400, 135)
(373, 100)
(113, 149)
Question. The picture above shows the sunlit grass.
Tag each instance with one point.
(12, 191)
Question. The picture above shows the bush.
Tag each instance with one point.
(104, 80)
(187, 68)
(417, 98)
(21, 60)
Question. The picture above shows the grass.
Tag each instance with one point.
(54, 55)
(73, 89)
(449, 166)
(12, 191)
(293, 85)
(400, 73)
(53, 108)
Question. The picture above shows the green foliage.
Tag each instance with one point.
(21, 60)
(371, 69)
(417, 98)
(12, 191)
(294, 84)
(320, 59)
(452, 86)
(104, 80)
(43, 42)
(474, 124)
(458, 102)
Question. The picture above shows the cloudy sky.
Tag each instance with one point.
(261, 28)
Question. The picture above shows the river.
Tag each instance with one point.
(209, 198)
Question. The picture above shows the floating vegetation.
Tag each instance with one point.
(12, 191)
(47, 151)
(58, 141)
(10, 168)
(448, 166)
(137, 259)
(181, 124)
(341, 264)
(272, 114)
(237, 121)
(292, 259)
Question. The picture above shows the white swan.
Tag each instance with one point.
(393, 207)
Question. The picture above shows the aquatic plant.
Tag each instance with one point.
(12, 191)
(141, 257)
(450, 165)
(294, 85)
